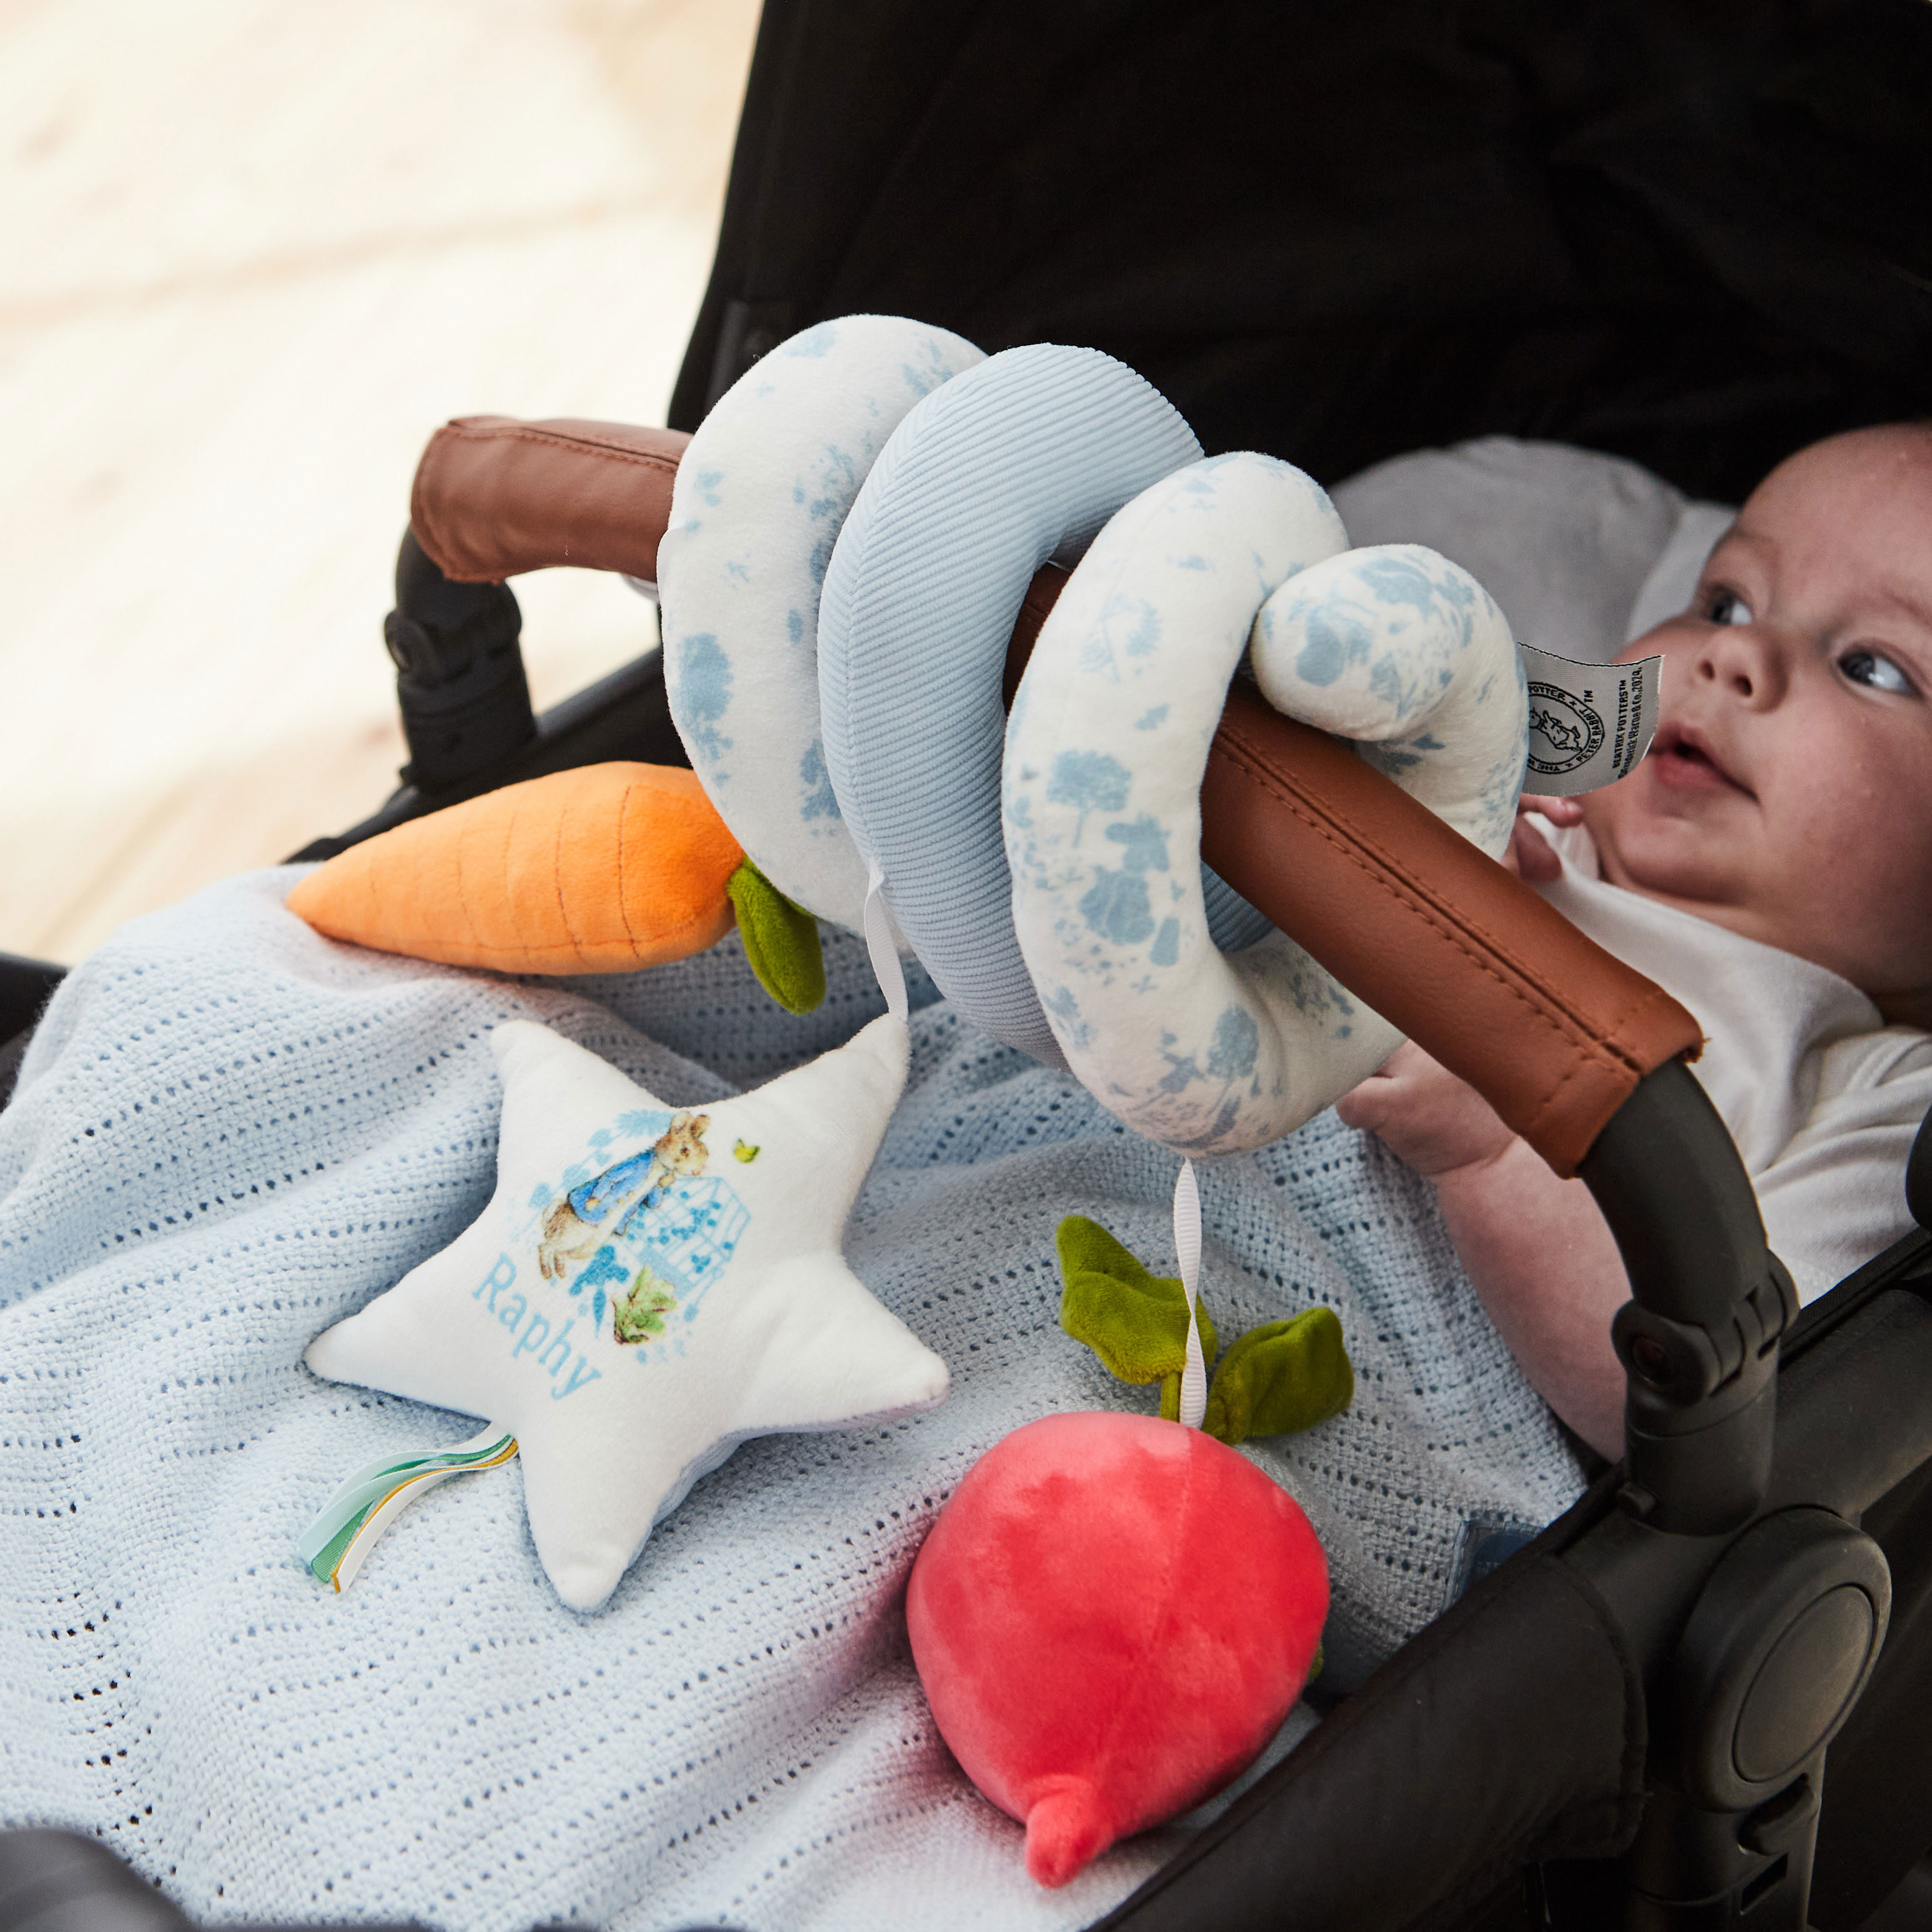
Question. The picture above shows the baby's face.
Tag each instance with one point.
(1788, 795)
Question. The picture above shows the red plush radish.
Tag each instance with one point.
(1111, 1616)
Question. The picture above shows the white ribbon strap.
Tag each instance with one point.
(891, 975)
(1187, 1247)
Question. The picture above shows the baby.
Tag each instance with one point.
(1770, 863)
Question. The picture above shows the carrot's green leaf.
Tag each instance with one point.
(782, 943)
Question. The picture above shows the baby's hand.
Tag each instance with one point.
(1528, 854)
(1424, 1115)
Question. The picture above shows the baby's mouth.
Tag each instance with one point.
(1683, 758)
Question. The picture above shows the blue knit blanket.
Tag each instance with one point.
(229, 1133)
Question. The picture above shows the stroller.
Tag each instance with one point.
(1685, 235)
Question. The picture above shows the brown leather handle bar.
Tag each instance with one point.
(1448, 946)
(494, 497)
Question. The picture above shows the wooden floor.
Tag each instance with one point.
(250, 255)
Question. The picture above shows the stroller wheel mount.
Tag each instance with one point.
(1777, 1649)
(1778, 1646)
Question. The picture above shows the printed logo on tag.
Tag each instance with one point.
(1589, 724)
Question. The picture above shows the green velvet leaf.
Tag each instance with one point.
(1135, 1321)
(782, 940)
(1281, 1377)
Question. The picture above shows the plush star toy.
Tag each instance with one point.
(650, 1287)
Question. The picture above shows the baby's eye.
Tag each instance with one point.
(1868, 667)
(1726, 607)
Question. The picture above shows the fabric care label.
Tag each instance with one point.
(1589, 724)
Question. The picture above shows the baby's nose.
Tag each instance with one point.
(1745, 660)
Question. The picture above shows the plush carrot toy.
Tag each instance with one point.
(606, 868)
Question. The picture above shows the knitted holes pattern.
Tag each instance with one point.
(230, 1133)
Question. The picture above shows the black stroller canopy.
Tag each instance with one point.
(1692, 234)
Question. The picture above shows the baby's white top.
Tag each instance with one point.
(1821, 1097)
